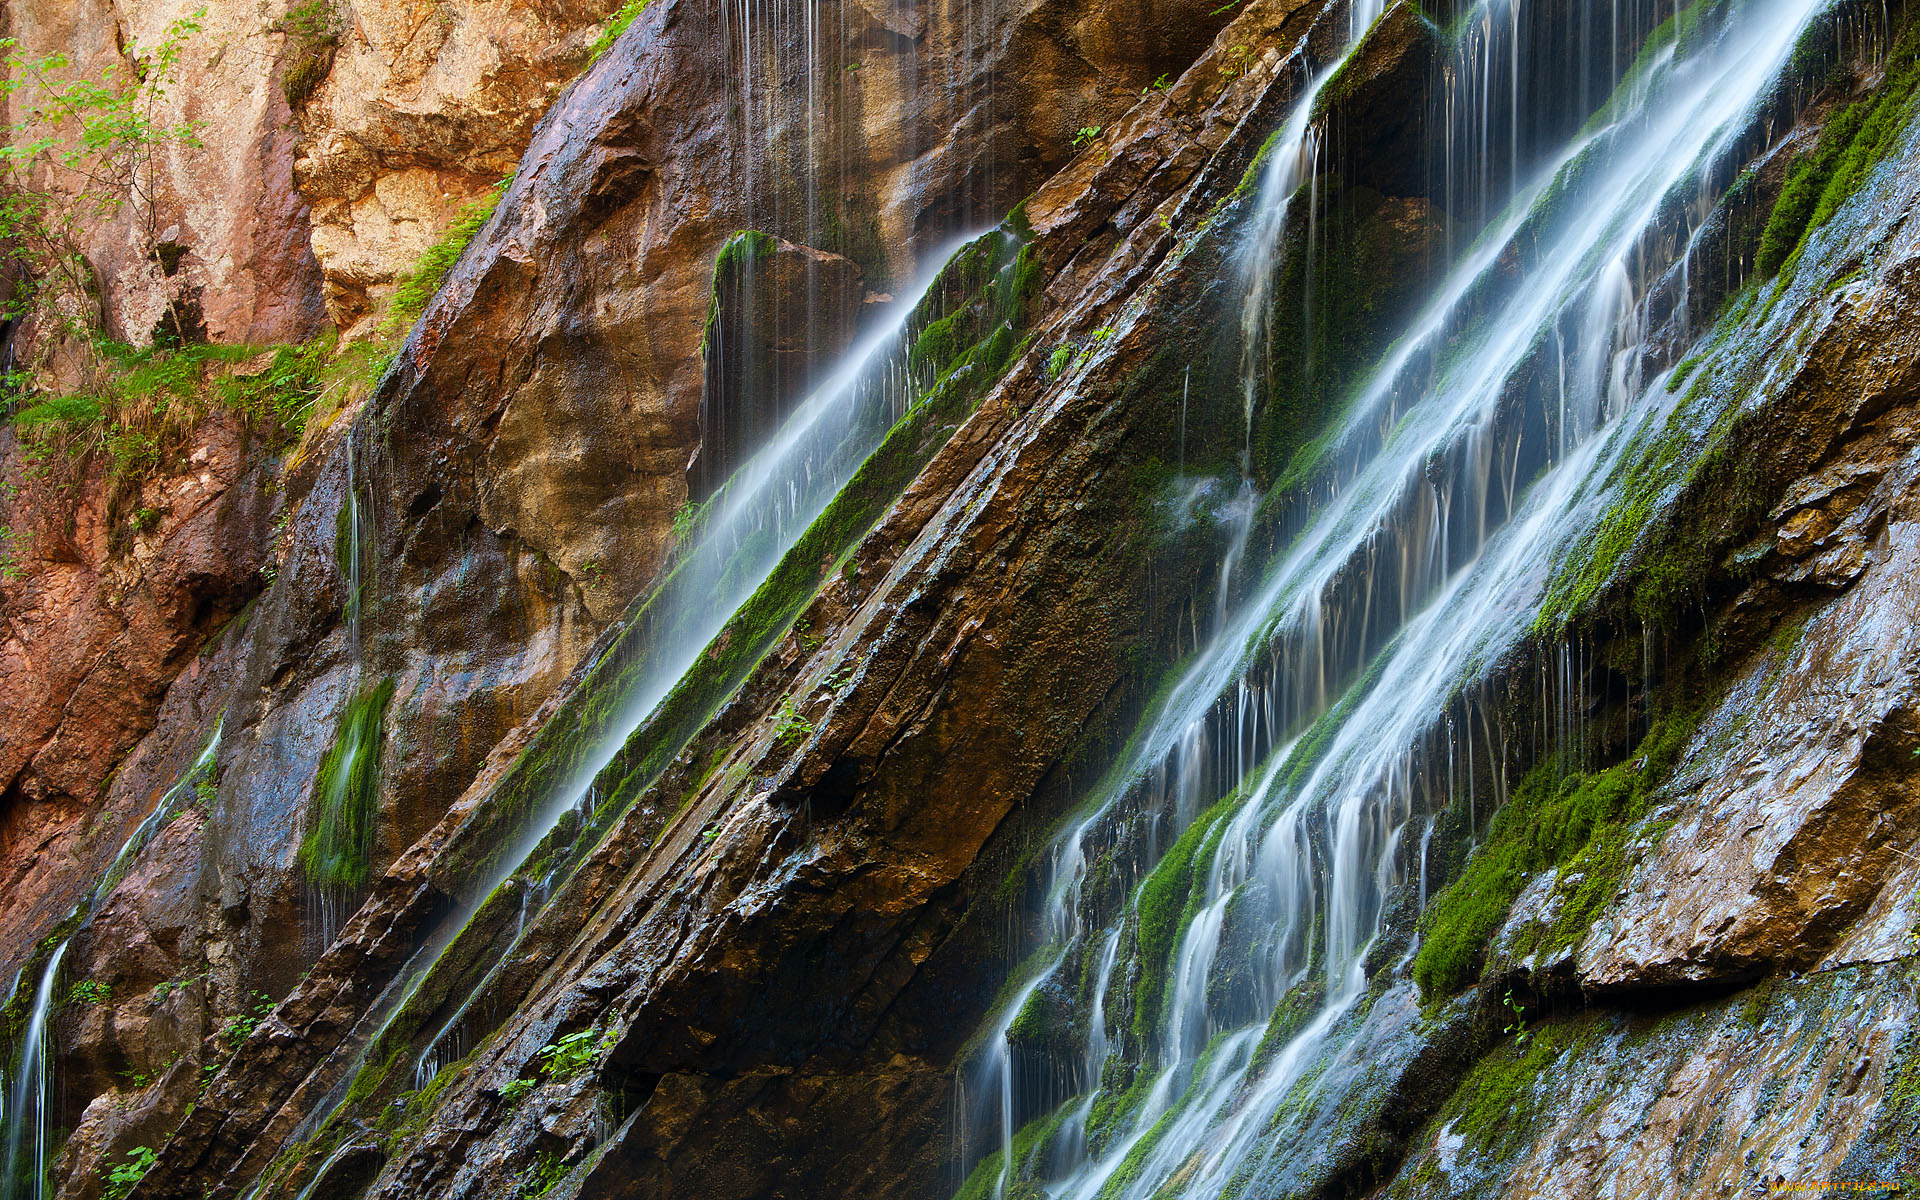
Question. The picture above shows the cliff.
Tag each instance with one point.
(1290, 599)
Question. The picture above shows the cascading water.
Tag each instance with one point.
(1441, 503)
(791, 141)
(27, 1092)
(745, 530)
(26, 1085)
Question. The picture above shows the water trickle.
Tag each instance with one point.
(744, 531)
(26, 1083)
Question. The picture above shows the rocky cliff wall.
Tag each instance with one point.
(755, 963)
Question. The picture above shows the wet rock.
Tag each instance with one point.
(1376, 108)
(1797, 1082)
(114, 597)
(1800, 808)
(781, 315)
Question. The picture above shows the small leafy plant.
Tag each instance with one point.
(685, 519)
(838, 679)
(516, 1090)
(791, 725)
(168, 987)
(89, 991)
(1059, 360)
(241, 1025)
(573, 1053)
(121, 1177)
(1086, 135)
(11, 545)
(545, 1173)
(1518, 1026)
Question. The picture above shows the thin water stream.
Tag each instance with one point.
(26, 1085)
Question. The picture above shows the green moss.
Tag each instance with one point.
(1854, 140)
(737, 256)
(1114, 1106)
(1030, 1142)
(1299, 1006)
(1164, 901)
(1498, 1104)
(1336, 307)
(337, 850)
(1680, 499)
(369, 1080)
(1582, 821)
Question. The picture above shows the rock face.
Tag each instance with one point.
(752, 956)
(419, 112)
(227, 206)
(107, 607)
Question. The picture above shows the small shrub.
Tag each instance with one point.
(313, 34)
(1086, 135)
(516, 1090)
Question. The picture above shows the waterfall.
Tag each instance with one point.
(1292, 748)
(25, 1165)
(741, 536)
(26, 1084)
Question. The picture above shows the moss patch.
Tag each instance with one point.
(337, 850)
(1551, 820)
(1165, 902)
(1854, 140)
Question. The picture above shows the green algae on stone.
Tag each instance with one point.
(1580, 821)
(337, 850)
